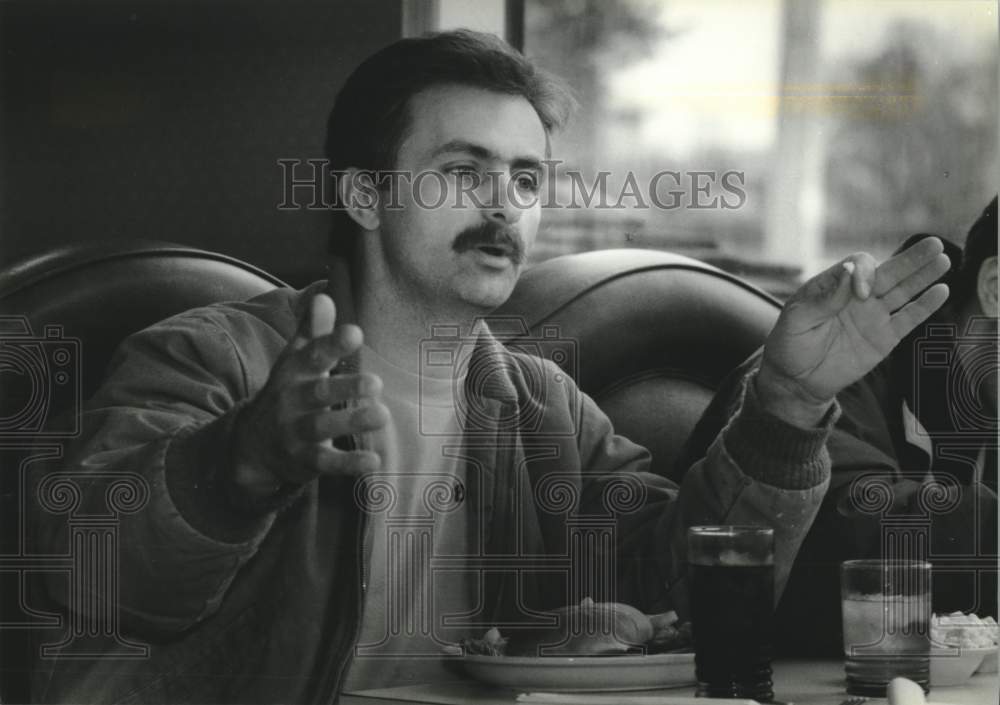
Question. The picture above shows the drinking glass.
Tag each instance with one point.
(886, 607)
(732, 610)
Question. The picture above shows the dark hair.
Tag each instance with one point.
(980, 245)
(370, 116)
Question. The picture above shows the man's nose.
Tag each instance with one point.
(503, 205)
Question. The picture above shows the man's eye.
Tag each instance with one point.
(527, 182)
(464, 174)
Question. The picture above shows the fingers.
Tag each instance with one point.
(328, 424)
(324, 459)
(354, 463)
(912, 285)
(898, 267)
(895, 282)
(824, 295)
(318, 321)
(319, 343)
(861, 266)
(290, 425)
(322, 316)
(323, 353)
(311, 451)
(326, 391)
(917, 311)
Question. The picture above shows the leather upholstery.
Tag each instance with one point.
(655, 334)
(97, 294)
(652, 333)
(101, 293)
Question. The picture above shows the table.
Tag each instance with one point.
(802, 682)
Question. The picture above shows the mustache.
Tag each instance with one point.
(491, 234)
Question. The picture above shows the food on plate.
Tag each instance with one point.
(668, 633)
(589, 629)
(967, 631)
(492, 644)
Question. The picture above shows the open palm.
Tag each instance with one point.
(844, 321)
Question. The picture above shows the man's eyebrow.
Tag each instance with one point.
(480, 152)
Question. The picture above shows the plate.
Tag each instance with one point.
(990, 663)
(955, 666)
(581, 674)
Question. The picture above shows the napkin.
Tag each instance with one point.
(903, 691)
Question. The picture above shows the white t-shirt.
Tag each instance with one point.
(417, 516)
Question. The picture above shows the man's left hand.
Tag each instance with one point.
(841, 323)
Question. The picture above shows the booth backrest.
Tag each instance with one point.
(652, 335)
(62, 315)
(100, 293)
(655, 333)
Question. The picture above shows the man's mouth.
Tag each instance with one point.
(493, 242)
(495, 250)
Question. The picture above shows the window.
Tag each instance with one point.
(769, 137)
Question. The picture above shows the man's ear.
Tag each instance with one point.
(359, 197)
(986, 286)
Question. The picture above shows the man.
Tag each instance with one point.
(916, 445)
(298, 454)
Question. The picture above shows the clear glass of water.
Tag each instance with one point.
(886, 608)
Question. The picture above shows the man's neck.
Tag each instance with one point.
(400, 325)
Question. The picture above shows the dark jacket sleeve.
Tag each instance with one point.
(160, 426)
(759, 470)
(870, 487)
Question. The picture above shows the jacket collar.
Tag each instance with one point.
(496, 387)
(493, 372)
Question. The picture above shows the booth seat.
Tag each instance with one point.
(650, 336)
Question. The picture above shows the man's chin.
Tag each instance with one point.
(486, 304)
(490, 297)
(485, 289)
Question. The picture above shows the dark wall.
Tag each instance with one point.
(165, 121)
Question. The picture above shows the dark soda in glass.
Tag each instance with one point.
(732, 610)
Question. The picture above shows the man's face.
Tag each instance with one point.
(466, 226)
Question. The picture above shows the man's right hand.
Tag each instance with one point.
(285, 434)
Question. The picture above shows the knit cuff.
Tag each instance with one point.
(774, 451)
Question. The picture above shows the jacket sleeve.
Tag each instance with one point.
(161, 425)
(872, 492)
(759, 471)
